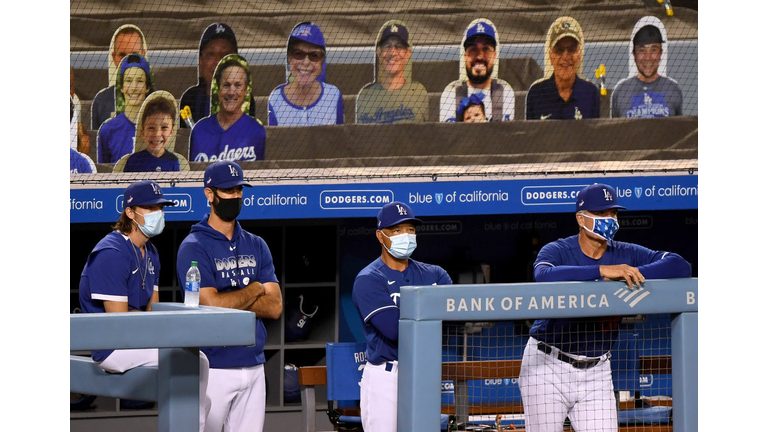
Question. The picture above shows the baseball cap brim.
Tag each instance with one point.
(605, 207)
(233, 183)
(415, 221)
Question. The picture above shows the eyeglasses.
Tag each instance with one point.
(314, 56)
(561, 49)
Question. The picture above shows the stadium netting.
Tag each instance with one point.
(408, 138)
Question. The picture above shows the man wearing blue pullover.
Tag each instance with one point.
(237, 272)
(566, 370)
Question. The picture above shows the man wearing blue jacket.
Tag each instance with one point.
(238, 273)
(566, 369)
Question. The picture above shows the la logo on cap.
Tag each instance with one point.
(480, 28)
(155, 189)
(219, 28)
(306, 31)
(393, 29)
(233, 171)
(402, 211)
(608, 196)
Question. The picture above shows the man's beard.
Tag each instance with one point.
(479, 79)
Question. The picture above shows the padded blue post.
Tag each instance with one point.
(344, 368)
(178, 389)
(685, 371)
(418, 381)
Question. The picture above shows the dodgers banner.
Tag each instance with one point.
(438, 198)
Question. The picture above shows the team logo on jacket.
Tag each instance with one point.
(395, 298)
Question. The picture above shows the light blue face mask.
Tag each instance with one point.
(153, 223)
(402, 245)
(603, 227)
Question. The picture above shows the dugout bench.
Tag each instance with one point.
(178, 332)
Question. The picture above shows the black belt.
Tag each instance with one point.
(578, 364)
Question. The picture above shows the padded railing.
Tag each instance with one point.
(423, 310)
(178, 332)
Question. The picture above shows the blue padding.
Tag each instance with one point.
(624, 361)
(650, 415)
(656, 385)
(493, 390)
(350, 419)
(344, 368)
(444, 418)
(86, 377)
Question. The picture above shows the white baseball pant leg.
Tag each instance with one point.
(378, 397)
(553, 390)
(238, 399)
(122, 360)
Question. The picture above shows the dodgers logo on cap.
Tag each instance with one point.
(394, 213)
(224, 175)
(597, 197)
(144, 193)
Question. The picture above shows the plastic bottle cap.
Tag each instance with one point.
(194, 263)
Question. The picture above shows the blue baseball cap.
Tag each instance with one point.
(218, 31)
(144, 193)
(399, 30)
(394, 213)
(483, 27)
(135, 60)
(597, 197)
(224, 175)
(310, 33)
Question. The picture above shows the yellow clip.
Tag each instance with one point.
(667, 6)
(186, 112)
(600, 72)
(600, 75)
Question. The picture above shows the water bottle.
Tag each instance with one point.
(192, 286)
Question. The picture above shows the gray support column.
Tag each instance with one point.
(685, 371)
(418, 406)
(178, 389)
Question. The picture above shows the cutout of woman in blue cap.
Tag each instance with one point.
(116, 135)
(305, 99)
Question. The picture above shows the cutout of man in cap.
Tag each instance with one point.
(376, 295)
(393, 97)
(566, 355)
(647, 92)
(479, 73)
(218, 40)
(127, 39)
(562, 94)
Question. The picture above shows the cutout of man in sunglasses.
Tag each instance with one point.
(305, 99)
(562, 94)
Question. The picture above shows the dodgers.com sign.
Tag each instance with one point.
(426, 198)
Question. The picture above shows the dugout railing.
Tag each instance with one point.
(177, 332)
(424, 309)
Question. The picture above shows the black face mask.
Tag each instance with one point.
(227, 209)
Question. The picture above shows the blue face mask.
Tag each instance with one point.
(402, 245)
(603, 227)
(153, 223)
